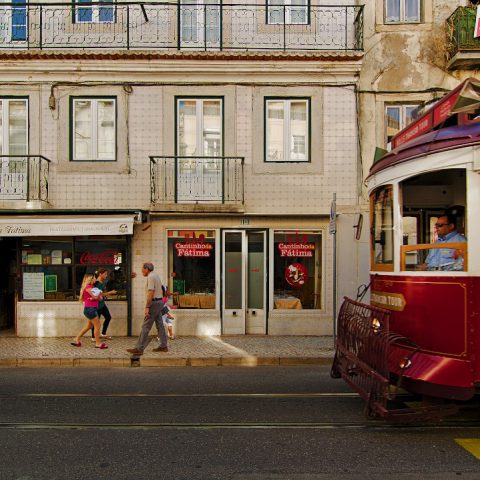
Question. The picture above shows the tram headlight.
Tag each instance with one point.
(405, 363)
(376, 325)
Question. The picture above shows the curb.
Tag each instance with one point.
(226, 361)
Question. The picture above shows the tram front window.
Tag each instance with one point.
(382, 228)
(433, 219)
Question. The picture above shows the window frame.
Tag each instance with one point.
(287, 135)
(199, 125)
(374, 265)
(79, 6)
(123, 241)
(94, 131)
(288, 8)
(404, 122)
(5, 125)
(402, 10)
(297, 237)
(184, 236)
(19, 31)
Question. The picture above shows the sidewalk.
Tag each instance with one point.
(183, 351)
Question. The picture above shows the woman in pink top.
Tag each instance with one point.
(90, 297)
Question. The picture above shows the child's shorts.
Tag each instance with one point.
(167, 321)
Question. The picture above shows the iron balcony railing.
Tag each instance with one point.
(24, 177)
(181, 26)
(460, 31)
(197, 180)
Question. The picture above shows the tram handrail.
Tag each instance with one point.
(462, 246)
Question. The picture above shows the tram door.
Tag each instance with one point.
(244, 282)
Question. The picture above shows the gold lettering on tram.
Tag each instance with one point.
(388, 300)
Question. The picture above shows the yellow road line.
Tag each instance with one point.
(472, 445)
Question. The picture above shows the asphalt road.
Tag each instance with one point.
(262, 423)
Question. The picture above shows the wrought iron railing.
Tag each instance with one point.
(460, 30)
(209, 26)
(197, 180)
(24, 177)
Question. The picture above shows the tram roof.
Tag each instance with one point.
(448, 138)
(425, 135)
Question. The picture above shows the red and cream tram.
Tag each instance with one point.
(421, 329)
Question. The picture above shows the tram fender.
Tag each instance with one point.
(434, 375)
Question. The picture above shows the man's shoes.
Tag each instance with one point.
(135, 351)
(160, 349)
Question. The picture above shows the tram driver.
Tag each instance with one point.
(446, 258)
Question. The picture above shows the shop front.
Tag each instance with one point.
(46, 260)
(251, 280)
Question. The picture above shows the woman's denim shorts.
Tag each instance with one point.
(90, 312)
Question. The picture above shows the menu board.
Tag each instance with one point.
(33, 286)
(50, 283)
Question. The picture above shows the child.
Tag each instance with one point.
(167, 317)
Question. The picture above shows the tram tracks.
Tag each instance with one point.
(364, 424)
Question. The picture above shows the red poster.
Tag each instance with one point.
(296, 274)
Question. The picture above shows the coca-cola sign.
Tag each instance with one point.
(107, 257)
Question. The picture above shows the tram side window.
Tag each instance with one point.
(382, 228)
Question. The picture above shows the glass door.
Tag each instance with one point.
(244, 282)
(256, 319)
(200, 149)
(200, 24)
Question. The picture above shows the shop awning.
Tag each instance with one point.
(61, 225)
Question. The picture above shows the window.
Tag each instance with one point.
(199, 134)
(19, 20)
(53, 267)
(297, 279)
(191, 267)
(13, 126)
(287, 130)
(93, 129)
(199, 127)
(382, 228)
(397, 117)
(287, 12)
(199, 22)
(86, 12)
(402, 11)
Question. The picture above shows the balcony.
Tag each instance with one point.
(183, 26)
(463, 50)
(24, 177)
(197, 183)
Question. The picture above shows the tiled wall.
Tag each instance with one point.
(144, 117)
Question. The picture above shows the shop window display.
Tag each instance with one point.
(191, 267)
(53, 268)
(297, 270)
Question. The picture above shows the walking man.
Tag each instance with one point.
(153, 312)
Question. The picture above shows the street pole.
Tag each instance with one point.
(333, 232)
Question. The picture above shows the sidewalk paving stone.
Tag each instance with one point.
(183, 351)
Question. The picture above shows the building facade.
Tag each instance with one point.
(209, 139)
(416, 51)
